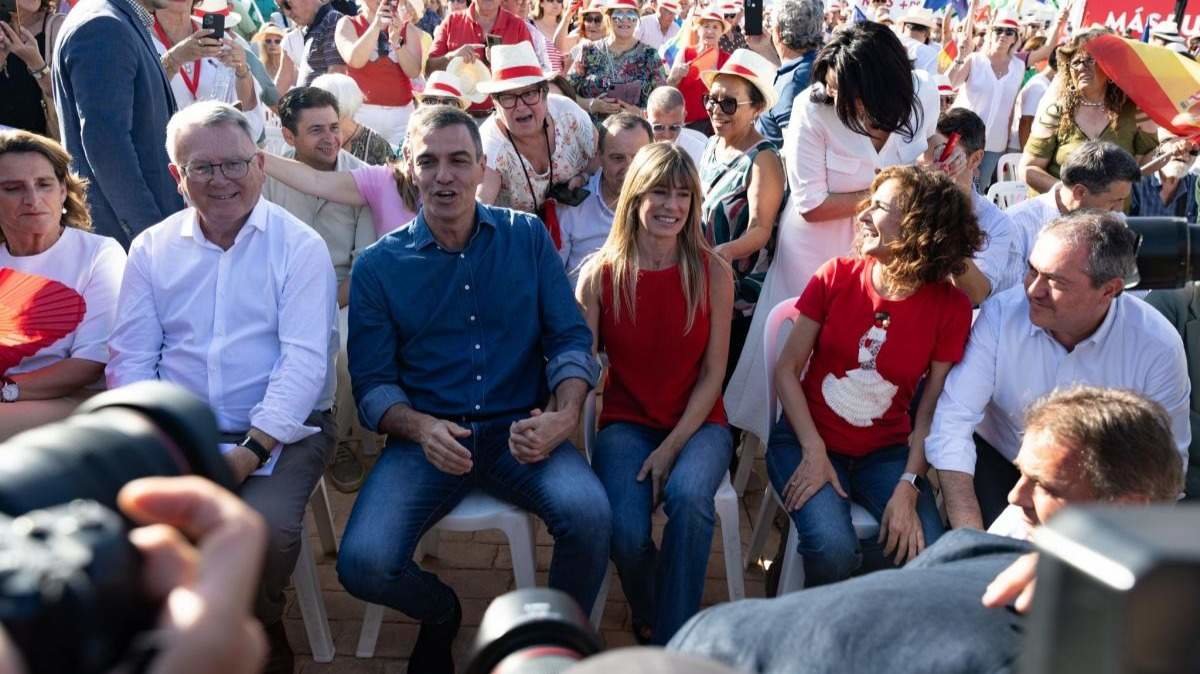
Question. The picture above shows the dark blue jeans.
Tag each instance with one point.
(831, 550)
(405, 495)
(665, 590)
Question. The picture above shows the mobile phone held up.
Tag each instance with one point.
(754, 17)
(215, 24)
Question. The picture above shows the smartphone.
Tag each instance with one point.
(215, 23)
(565, 195)
(754, 17)
(8, 10)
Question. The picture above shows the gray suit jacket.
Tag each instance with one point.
(1182, 307)
(114, 101)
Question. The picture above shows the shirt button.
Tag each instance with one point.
(476, 346)
(472, 316)
(478, 377)
(477, 407)
(462, 255)
(467, 287)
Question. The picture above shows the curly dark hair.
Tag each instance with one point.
(1069, 94)
(938, 228)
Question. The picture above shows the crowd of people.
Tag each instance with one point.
(401, 244)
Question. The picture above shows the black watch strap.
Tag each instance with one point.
(255, 446)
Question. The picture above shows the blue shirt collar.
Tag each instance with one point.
(423, 238)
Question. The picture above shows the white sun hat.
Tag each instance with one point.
(753, 68)
(514, 66)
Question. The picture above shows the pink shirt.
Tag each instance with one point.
(377, 185)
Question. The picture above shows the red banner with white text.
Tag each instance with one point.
(1129, 19)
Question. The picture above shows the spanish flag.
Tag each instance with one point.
(946, 55)
(1163, 84)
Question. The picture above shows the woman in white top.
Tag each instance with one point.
(202, 68)
(988, 84)
(866, 110)
(43, 232)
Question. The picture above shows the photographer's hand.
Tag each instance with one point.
(207, 587)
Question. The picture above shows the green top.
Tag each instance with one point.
(1056, 148)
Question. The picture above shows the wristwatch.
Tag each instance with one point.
(9, 391)
(255, 446)
(912, 479)
(40, 72)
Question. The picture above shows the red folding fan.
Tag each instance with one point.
(35, 312)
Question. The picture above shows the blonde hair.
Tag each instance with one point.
(76, 210)
(655, 165)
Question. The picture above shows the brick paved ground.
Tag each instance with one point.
(478, 566)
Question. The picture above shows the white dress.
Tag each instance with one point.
(822, 157)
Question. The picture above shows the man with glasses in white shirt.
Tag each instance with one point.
(1070, 324)
(665, 111)
(235, 300)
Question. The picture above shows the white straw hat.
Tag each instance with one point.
(221, 7)
(513, 66)
(919, 16)
(469, 76)
(753, 68)
(442, 84)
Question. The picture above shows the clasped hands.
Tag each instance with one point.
(530, 439)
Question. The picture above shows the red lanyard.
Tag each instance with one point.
(192, 82)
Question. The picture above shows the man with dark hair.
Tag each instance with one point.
(797, 35)
(1098, 174)
(585, 227)
(468, 350)
(947, 610)
(1071, 323)
(963, 132)
(309, 117)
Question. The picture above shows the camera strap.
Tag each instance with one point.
(548, 209)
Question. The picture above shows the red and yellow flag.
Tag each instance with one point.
(1163, 84)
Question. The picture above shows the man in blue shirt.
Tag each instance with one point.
(468, 350)
(797, 35)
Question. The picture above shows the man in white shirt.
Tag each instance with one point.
(235, 300)
(1098, 174)
(585, 227)
(665, 111)
(987, 273)
(309, 120)
(655, 29)
(1070, 324)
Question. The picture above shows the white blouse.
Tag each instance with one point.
(991, 98)
(218, 82)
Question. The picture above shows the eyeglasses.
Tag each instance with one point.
(666, 128)
(726, 105)
(1083, 63)
(273, 41)
(917, 27)
(593, 18)
(441, 100)
(1005, 32)
(233, 169)
(530, 97)
(625, 15)
(730, 17)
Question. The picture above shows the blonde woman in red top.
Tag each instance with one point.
(658, 301)
(381, 46)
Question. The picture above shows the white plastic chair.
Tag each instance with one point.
(477, 512)
(725, 501)
(791, 576)
(1006, 168)
(1008, 193)
(308, 582)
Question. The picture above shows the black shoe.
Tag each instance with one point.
(431, 654)
(280, 660)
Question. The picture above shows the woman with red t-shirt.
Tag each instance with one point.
(870, 328)
(707, 55)
(381, 46)
(658, 300)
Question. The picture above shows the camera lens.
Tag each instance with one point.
(147, 429)
(1169, 254)
(533, 631)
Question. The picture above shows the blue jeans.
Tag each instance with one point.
(665, 590)
(831, 550)
(987, 171)
(405, 495)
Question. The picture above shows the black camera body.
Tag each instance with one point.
(71, 594)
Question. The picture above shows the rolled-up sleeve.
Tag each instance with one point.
(806, 156)
(566, 338)
(307, 316)
(969, 386)
(371, 347)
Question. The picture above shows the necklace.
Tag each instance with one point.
(1089, 104)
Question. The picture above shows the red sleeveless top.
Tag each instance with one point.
(382, 80)
(653, 364)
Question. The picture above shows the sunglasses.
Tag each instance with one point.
(916, 27)
(593, 18)
(273, 40)
(530, 97)
(730, 17)
(625, 15)
(1005, 32)
(725, 105)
